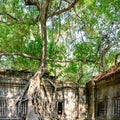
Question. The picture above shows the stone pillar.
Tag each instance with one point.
(91, 105)
(109, 108)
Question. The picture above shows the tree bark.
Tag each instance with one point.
(38, 93)
(102, 57)
(44, 44)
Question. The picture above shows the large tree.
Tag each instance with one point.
(87, 34)
(46, 31)
(47, 9)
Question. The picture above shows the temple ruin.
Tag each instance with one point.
(99, 100)
(103, 93)
(70, 99)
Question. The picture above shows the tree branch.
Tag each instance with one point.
(102, 57)
(75, 60)
(5, 23)
(9, 15)
(37, 58)
(64, 9)
(67, 1)
(19, 54)
(116, 57)
(33, 2)
(46, 10)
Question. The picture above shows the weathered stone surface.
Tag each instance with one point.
(72, 97)
(104, 95)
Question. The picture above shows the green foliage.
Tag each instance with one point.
(85, 50)
(72, 68)
(76, 35)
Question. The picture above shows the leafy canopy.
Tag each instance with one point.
(81, 42)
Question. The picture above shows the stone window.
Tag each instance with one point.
(3, 107)
(22, 110)
(9, 108)
(116, 108)
(102, 109)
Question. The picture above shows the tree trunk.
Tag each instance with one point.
(44, 44)
(37, 91)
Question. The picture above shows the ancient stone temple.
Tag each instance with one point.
(12, 84)
(103, 93)
(70, 99)
(99, 100)
(71, 102)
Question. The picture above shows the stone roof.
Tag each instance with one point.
(23, 74)
(113, 70)
(10, 74)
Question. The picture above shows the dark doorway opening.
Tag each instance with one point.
(60, 108)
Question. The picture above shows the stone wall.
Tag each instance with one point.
(11, 86)
(73, 99)
(104, 95)
(69, 100)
